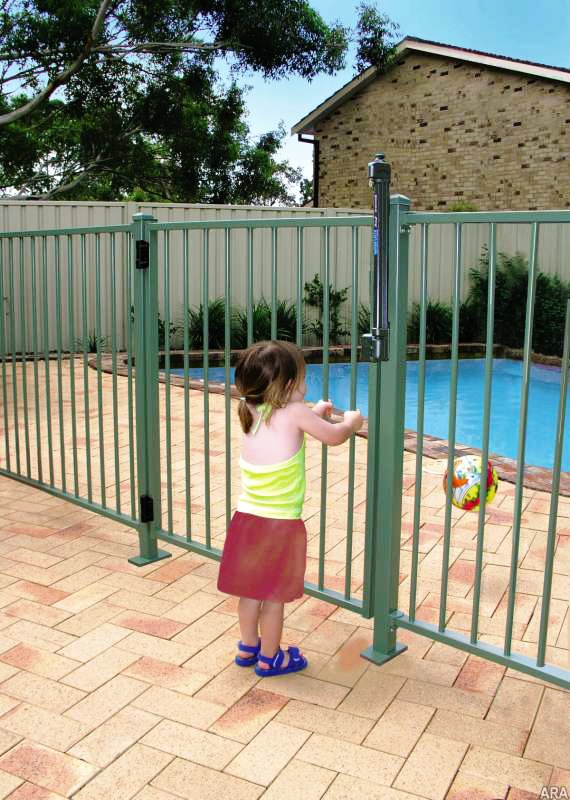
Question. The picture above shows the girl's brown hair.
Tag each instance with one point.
(267, 372)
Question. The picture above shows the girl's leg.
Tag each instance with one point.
(248, 612)
(271, 624)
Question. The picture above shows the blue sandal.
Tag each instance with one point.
(248, 648)
(296, 663)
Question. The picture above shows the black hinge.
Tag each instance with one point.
(142, 254)
(147, 508)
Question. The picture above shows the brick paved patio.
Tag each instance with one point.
(118, 682)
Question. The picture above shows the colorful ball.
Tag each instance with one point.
(466, 482)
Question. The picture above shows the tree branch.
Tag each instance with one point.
(62, 77)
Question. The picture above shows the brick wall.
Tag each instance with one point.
(452, 131)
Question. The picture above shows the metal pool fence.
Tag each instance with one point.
(116, 432)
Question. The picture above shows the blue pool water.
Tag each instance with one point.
(506, 391)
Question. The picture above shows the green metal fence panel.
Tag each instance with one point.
(211, 330)
(60, 365)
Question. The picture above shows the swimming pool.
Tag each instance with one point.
(505, 403)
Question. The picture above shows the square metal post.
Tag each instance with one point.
(387, 383)
(146, 389)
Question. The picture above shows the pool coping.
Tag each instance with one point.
(534, 477)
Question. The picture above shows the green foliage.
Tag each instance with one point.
(314, 297)
(307, 191)
(439, 318)
(143, 112)
(377, 38)
(286, 323)
(462, 205)
(161, 329)
(92, 344)
(511, 287)
(216, 326)
(363, 319)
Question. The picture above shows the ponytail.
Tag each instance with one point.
(245, 415)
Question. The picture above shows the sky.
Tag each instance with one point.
(526, 29)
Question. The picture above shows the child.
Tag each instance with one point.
(264, 556)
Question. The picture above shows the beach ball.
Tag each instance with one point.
(466, 482)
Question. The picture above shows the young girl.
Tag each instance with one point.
(264, 556)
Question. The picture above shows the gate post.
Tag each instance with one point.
(146, 389)
(387, 381)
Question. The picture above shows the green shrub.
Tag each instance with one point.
(511, 288)
(161, 329)
(286, 323)
(439, 317)
(363, 319)
(216, 326)
(315, 297)
(92, 343)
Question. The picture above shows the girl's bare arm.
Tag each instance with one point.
(326, 432)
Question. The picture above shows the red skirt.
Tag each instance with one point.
(264, 558)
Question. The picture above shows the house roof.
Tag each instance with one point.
(413, 44)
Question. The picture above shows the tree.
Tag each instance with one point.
(107, 99)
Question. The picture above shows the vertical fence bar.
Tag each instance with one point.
(12, 295)
(249, 286)
(352, 405)
(35, 356)
(98, 345)
(386, 455)
(46, 356)
(129, 320)
(452, 427)
(146, 388)
(551, 538)
(324, 448)
(227, 374)
(85, 348)
(59, 315)
(23, 320)
(113, 279)
(3, 355)
(274, 282)
(420, 419)
(71, 312)
(167, 403)
(186, 292)
(300, 282)
(486, 424)
(530, 301)
(206, 360)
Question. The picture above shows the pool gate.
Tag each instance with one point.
(95, 412)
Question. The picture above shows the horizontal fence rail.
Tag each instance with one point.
(463, 630)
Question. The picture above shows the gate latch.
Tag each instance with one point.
(142, 254)
(375, 345)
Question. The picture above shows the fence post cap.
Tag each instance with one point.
(141, 216)
(400, 200)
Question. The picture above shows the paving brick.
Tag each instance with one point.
(44, 726)
(29, 791)
(399, 728)
(189, 781)
(106, 700)
(114, 736)
(93, 643)
(100, 669)
(42, 692)
(352, 759)
(194, 745)
(268, 753)
(8, 783)
(549, 742)
(144, 645)
(40, 662)
(474, 704)
(125, 776)
(169, 676)
(314, 780)
(179, 707)
(522, 773)
(347, 787)
(515, 703)
(47, 768)
(323, 720)
(431, 766)
(249, 715)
